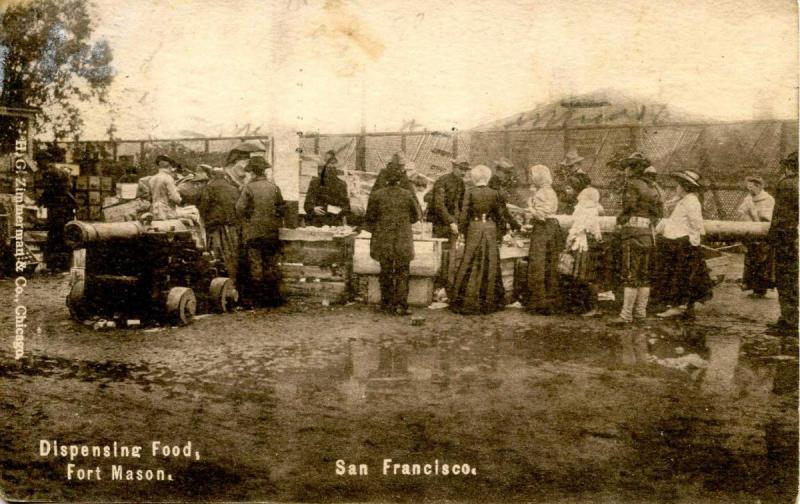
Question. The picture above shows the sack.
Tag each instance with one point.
(566, 263)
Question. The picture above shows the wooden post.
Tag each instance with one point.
(141, 153)
(361, 152)
(206, 146)
(403, 142)
(316, 143)
(455, 145)
(507, 144)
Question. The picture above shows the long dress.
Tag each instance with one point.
(682, 276)
(478, 284)
(759, 261)
(542, 292)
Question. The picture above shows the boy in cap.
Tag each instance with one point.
(759, 261)
(261, 208)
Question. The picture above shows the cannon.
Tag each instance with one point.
(155, 271)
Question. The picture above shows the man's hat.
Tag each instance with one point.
(462, 162)
(651, 169)
(504, 164)
(571, 158)
(162, 157)
(399, 158)
(257, 163)
(754, 179)
(689, 176)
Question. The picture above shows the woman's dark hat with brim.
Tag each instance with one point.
(635, 161)
(162, 157)
(692, 178)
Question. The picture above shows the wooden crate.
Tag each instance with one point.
(333, 292)
(94, 183)
(94, 198)
(106, 184)
(82, 183)
(427, 258)
(420, 290)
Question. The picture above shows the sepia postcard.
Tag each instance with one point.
(399, 251)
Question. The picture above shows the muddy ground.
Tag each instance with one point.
(550, 409)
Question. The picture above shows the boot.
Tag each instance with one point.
(628, 301)
(642, 297)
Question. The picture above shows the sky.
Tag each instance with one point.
(211, 67)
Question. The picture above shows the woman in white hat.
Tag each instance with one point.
(542, 293)
(682, 277)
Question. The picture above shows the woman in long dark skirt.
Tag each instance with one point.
(478, 283)
(682, 278)
(542, 293)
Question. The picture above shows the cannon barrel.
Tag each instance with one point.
(716, 230)
(78, 234)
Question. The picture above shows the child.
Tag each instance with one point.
(583, 242)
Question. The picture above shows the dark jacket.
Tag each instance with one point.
(448, 192)
(483, 202)
(405, 183)
(261, 207)
(323, 191)
(217, 203)
(390, 213)
(640, 198)
(503, 190)
(569, 188)
(783, 227)
(57, 198)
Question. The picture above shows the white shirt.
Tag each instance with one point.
(757, 208)
(686, 220)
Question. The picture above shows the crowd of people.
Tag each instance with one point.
(656, 253)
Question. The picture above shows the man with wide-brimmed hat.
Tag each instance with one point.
(327, 202)
(390, 213)
(261, 208)
(570, 181)
(398, 163)
(641, 210)
(783, 237)
(759, 260)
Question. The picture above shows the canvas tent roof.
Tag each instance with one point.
(601, 108)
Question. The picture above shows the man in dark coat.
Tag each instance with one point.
(327, 202)
(60, 203)
(390, 213)
(783, 237)
(217, 206)
(503, 181)
(570, 181)
(399, 162)
(448, 193)
(261, 208)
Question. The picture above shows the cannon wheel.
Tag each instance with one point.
(76, 300)
(222, 294)
(181, 305)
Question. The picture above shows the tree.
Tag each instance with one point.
(48, 60)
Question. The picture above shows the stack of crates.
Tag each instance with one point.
(90, 190)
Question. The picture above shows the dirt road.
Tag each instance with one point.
(544, 408)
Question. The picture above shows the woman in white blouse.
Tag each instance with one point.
(682, 277)
(759, 261)
(542, 294)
